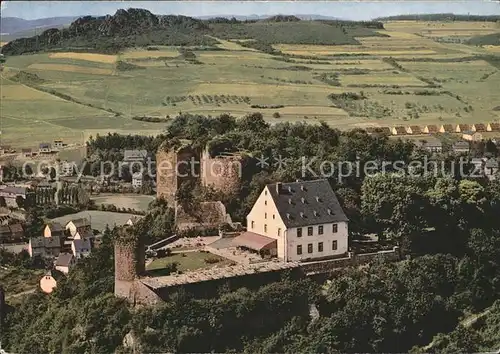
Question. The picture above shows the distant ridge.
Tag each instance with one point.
(11, 25)
(439, 17)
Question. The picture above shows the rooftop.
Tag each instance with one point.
(64, 259)
(306, 203)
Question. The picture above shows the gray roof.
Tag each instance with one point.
(81, 244)
(491, 163)
(44, 145)
(55, 227)
(64, 259)
(306, 203)
(135, 155)
(461, 145)
(82, 222)
(45, 242)
(14, 190)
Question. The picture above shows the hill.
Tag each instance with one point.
(139, 27)
(12, 25)
(440, 17)
(489, 39)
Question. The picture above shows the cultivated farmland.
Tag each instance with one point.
(409, 71)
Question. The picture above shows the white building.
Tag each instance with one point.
(137, 180)
(297, 221)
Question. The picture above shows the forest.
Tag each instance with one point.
(446, 224)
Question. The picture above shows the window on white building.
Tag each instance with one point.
(265, 227)
(320, 247)
(309, 231)
(299, 249)
(279, 232)
(334, 245)
(299, 232)
(335, 228)
(320, 230)
(253, 224)
(310, 248)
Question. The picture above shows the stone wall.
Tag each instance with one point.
(129, 264)
(352, 259)
(223, 173)
(172, 168)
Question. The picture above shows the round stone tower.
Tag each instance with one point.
(129, 261)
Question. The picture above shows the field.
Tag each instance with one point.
(79, 94)
(98, 219)
(136, 202)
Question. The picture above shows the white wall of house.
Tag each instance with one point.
(72, 228)
(63, 269)
(327, 238)
(265, 220)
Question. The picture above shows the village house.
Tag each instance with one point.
(66, 168)
(478, 127)
(64, 262)
(493, 127)
(83, 235)
(297, 221)
(16, 232)
(137, 180)
(49, 281)
(446, 128)
(132, 220)
(58, 144)
(472, 136)
(413, 130)
(5, 234)
(81, 248)
(460, 128)
(27, 152)
(130, 156)
(44, 246)
(491, 168)
(431, 145)
(430, 129)
(53, 229)
(461, 147)
(44, 148)
(78, 225)
(399, 130)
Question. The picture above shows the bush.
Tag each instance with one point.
(212, 260)
(276, 115)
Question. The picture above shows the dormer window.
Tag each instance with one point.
(317, 198)
(303, 200)
(315, 213)
(288, 215)
(301, 214)
(329, 211)
(302, 188)
(290, 189)
(289, 200)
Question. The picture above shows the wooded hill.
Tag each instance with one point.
(139, 27)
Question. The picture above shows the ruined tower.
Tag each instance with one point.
(174, 164)
(223, 172)
(129, 261)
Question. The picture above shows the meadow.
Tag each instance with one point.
(75, 94)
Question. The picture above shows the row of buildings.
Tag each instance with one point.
(434, 129)
(43, 149)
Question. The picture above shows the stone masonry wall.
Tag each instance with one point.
(222, 173)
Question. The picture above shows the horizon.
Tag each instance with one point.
(348, 10)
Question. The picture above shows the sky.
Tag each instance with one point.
(360, 10)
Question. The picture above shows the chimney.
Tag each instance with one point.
(278, 187)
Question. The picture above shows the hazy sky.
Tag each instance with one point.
(344, 9)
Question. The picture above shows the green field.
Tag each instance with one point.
(232, 79)
(134, 201)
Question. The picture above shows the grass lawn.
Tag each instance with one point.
(17, 280)
(191, 261)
